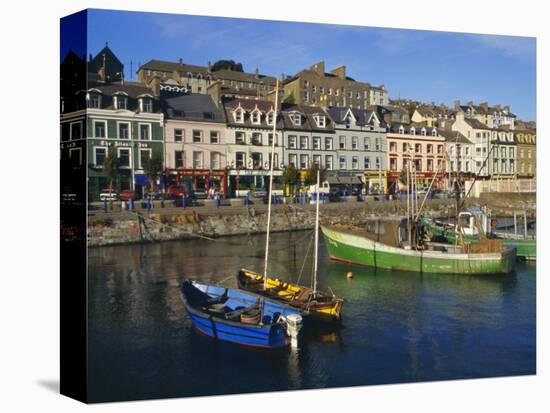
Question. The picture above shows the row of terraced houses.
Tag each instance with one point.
(214, 128)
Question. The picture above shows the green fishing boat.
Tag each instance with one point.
(526, 248)
(379, 245)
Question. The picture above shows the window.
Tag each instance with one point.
(99, 156)
(429, 148)
(124, 157)
(145, 132)
(418, 148)
(293, 159)
(377, 163)
(256, 117)
(146, 105)
(316, 143)
(76, 130)
(214, 160)
(178, 156)
(466, 151)
(270, 139)
(296, 118)
(412, 131)
(405, 147)
(123, 131)
(75, 156)
(214, 137)
(197, 136)
(99, 130)
(238, 114)
(197, 160)
(275, 161)
(367, 143)
(478, 150)
(401, 130)
(256, 138)
(366, 163)
(144, 154)
(342, 142)
(348, 122)
(178, 135)
(377, 144)
(430, 165)
(270, 118)
(354, 142)
(239, 138)
(306, 83)
(511, 153)
(423, 132)
(292, 142)
(94, 101)
(306, 96)
(321, 90)
(303, 161)
(317, 159)
(439, 149)
(320, 121)
(393, 164)
(328, 162)
(121, 102)
(355, 162)
(393, 147)
(467, 166)
(303, 142)
(240, 159)
(329, 91)
(328, 144)
(313, 88)
(342, 162)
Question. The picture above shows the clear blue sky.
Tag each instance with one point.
(423, 65)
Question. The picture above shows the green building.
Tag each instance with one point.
(127, 117)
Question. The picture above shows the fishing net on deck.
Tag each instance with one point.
(484, 246)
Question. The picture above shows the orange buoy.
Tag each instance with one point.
(349, 275)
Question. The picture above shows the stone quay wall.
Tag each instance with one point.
(165, 224)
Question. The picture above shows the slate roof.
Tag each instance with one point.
(131, 89)
(453, 136)
(362, 116)
(394, 128)
(195, 106)
(248, 105)
(308, 122)
(476, 124)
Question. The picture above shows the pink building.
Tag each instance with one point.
(194, 143)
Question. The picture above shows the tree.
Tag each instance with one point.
(228, 65)
(110, 168)
(290, 177)
(290, 99)
(152, 167)
(311, 174)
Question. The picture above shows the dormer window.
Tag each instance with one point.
(401, 130)
(434, 132)
(269, 118)
(320, 120)
(256, 117)
(423, 132)
(94, 100)
(348, 122)
(146, 104)
(121, 101)
(296, 118)
(412, 131)
(239, 115)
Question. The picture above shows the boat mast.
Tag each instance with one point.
(271, 182)
(316, 233)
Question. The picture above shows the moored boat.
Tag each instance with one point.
(526, 247)
(240, 317)
(379, 246)
(321, 306)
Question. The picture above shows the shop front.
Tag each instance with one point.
(375, 181)
(199, 180)
(244, 180)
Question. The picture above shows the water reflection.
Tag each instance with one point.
(397, 326)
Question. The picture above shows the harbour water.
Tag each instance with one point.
(398, 327)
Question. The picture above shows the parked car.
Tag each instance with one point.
(439, 194)
(109, 195)
(175, 191)
(126, 195)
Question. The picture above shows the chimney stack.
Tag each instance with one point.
(340, 72)
(257, 73)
